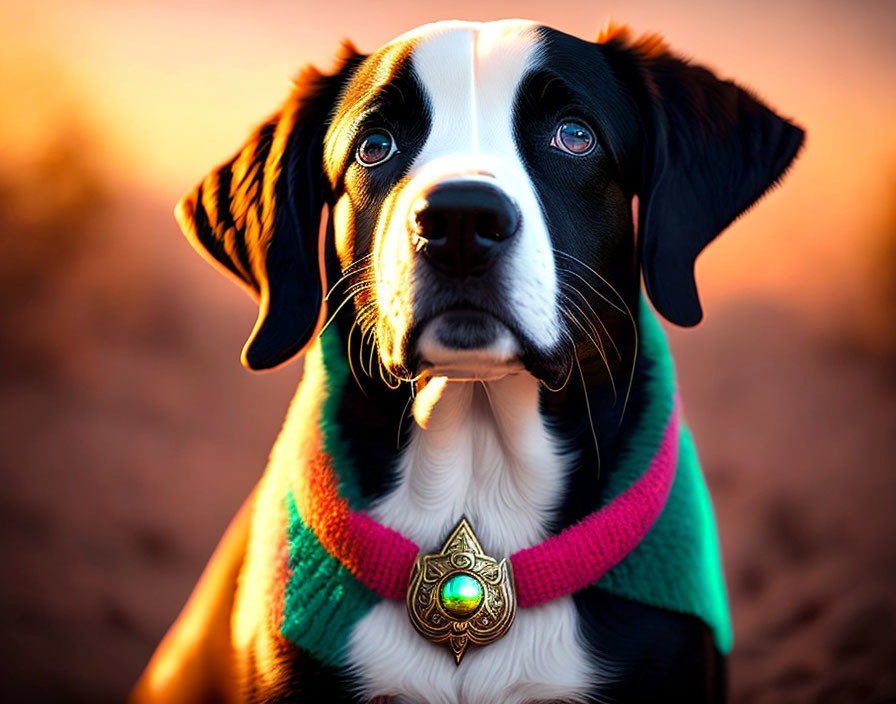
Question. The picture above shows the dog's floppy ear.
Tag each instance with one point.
(257, 217)
(710, 150)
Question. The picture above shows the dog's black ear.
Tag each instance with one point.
(257, 217)
(710, 150)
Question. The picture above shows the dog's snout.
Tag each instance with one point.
(462, 227)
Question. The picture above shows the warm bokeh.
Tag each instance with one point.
(130, 434)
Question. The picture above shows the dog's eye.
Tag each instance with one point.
(574, 138)
(376, 147)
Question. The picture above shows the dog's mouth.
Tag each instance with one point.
(465, 342)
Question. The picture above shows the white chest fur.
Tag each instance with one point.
(484, 454)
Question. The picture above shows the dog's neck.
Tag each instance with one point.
(480, 450)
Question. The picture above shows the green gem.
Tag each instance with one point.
(460, 595)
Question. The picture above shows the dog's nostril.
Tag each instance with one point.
(460, 227)
(495, 226)
(431, 224)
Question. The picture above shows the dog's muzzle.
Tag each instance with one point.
(461, 228)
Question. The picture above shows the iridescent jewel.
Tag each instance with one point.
(461, 595)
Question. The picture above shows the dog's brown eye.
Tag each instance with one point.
(573, 138)
(375, 148)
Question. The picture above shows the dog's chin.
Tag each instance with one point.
(468, 345)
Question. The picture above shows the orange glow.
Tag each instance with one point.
(428, 395)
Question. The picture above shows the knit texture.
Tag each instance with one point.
(322, 600)
(585, 552)
(336, 552)
(678, 565)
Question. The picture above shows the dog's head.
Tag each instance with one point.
(480, 180)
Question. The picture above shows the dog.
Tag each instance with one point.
(483, 491)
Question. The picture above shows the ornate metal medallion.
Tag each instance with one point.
(461, 595)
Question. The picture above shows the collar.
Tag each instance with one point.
(382, 559)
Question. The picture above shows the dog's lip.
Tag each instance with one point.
(460, 308)
(470, 372)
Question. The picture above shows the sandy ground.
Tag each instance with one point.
(131, 435)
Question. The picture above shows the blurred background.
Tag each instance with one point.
(130, 433)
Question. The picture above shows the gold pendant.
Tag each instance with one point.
(461, 595)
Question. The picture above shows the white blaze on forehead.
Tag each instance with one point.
(471, 73)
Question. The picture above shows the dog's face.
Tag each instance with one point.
(466, 162)
(480, 180)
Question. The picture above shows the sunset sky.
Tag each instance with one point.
(167, 89)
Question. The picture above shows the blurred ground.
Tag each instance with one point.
(798, 437)
(130, 433)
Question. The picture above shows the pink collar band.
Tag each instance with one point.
(382, 558)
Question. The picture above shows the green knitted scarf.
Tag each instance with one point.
(677, 566)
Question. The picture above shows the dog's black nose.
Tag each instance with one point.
(462, 226)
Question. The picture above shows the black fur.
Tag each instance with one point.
(648, 654)
(710, 150)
